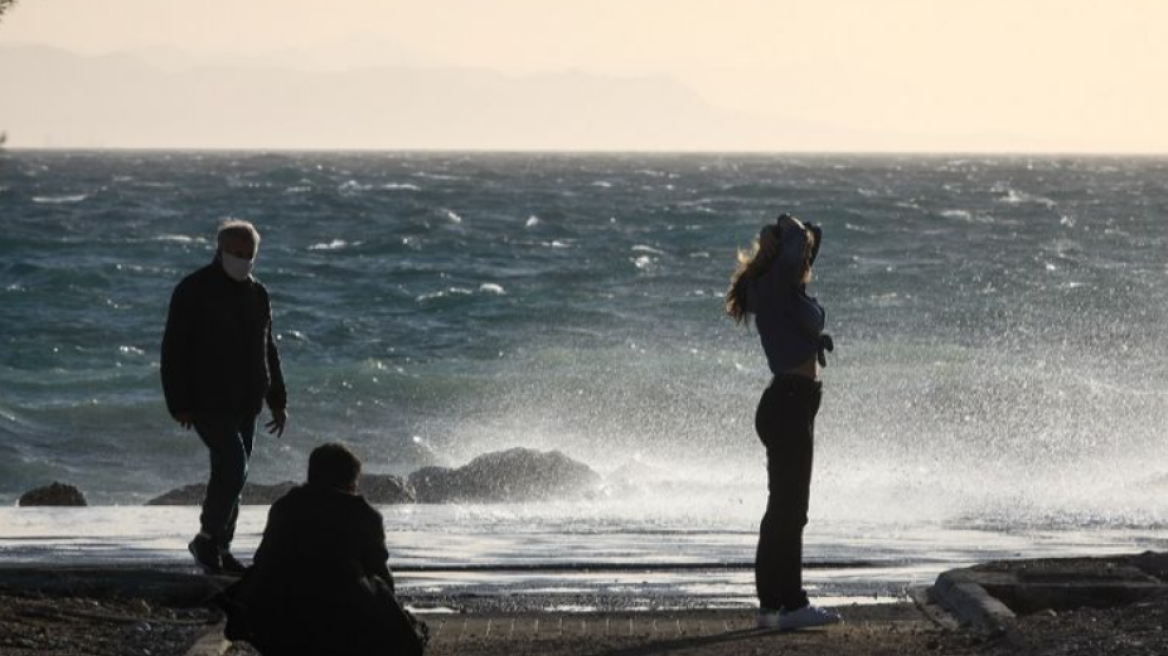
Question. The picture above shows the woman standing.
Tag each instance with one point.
(770, 284)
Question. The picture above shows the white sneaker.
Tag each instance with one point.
(806, 617)
(768, 618)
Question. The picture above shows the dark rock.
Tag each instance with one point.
(515, 475)
(430, 483)
(55, 494)
(378, 489)
(383, 489)
(254, 494)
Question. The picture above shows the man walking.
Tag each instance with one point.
(219, 365)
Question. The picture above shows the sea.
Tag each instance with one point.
(999, 386)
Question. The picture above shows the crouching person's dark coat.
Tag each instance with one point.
(320, 583)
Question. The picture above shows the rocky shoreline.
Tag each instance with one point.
(515, 475)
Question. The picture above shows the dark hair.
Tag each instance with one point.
(751, 264)
(333, 464)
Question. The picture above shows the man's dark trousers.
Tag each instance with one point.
(228, 437)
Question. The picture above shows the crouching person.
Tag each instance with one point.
(319, 583)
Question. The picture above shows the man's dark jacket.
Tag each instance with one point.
(320, 583)
(218, 354)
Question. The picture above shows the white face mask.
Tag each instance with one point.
(236, 267)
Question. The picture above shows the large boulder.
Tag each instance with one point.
(254, 494)
(379, 489)
(385, 490)
(515, 475)
(54, 494)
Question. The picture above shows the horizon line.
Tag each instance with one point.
(589, 151)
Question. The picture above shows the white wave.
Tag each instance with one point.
(351, 186)
(299, 189)
(1015, 197)
(602, 184)
(556, 243)
(181, 239)
(641, 248)
(491, 288)
(443, 293)
(453, 216)
(59, 200)
(131, 350)
(643, 262)
(400, 186)
(333, 245)
(532, 221)
(967, 216)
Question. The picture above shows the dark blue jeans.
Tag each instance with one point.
(229, 439)
(786, 425)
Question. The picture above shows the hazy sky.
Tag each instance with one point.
(1058, 75)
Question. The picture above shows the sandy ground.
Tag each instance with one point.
(36, 625)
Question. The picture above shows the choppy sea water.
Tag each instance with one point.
(1000, 326)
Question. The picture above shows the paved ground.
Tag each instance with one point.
(878, 629)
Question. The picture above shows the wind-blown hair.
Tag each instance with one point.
(753, 263)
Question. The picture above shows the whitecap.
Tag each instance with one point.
(59, 200)
(641, 248)
(1015, 197)
(532, 221)
(491, 288)
(602, 184)
(181, 239)
(556, 243)
(643, 262)
(400, 186)
(131, 350)
(351, 186)
(299, 189)
(453, 216)
(333, 245)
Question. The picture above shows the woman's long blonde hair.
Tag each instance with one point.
(753, 263)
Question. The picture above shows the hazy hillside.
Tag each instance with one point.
(53, 98)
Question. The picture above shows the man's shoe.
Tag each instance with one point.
(230, 564)
(807, 617)
(768, 618)
(206, 554)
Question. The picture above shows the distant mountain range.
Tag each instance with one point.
(54, 98)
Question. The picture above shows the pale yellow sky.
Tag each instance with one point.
(1067, 75)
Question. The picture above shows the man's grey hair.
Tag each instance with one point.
(238, 228)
